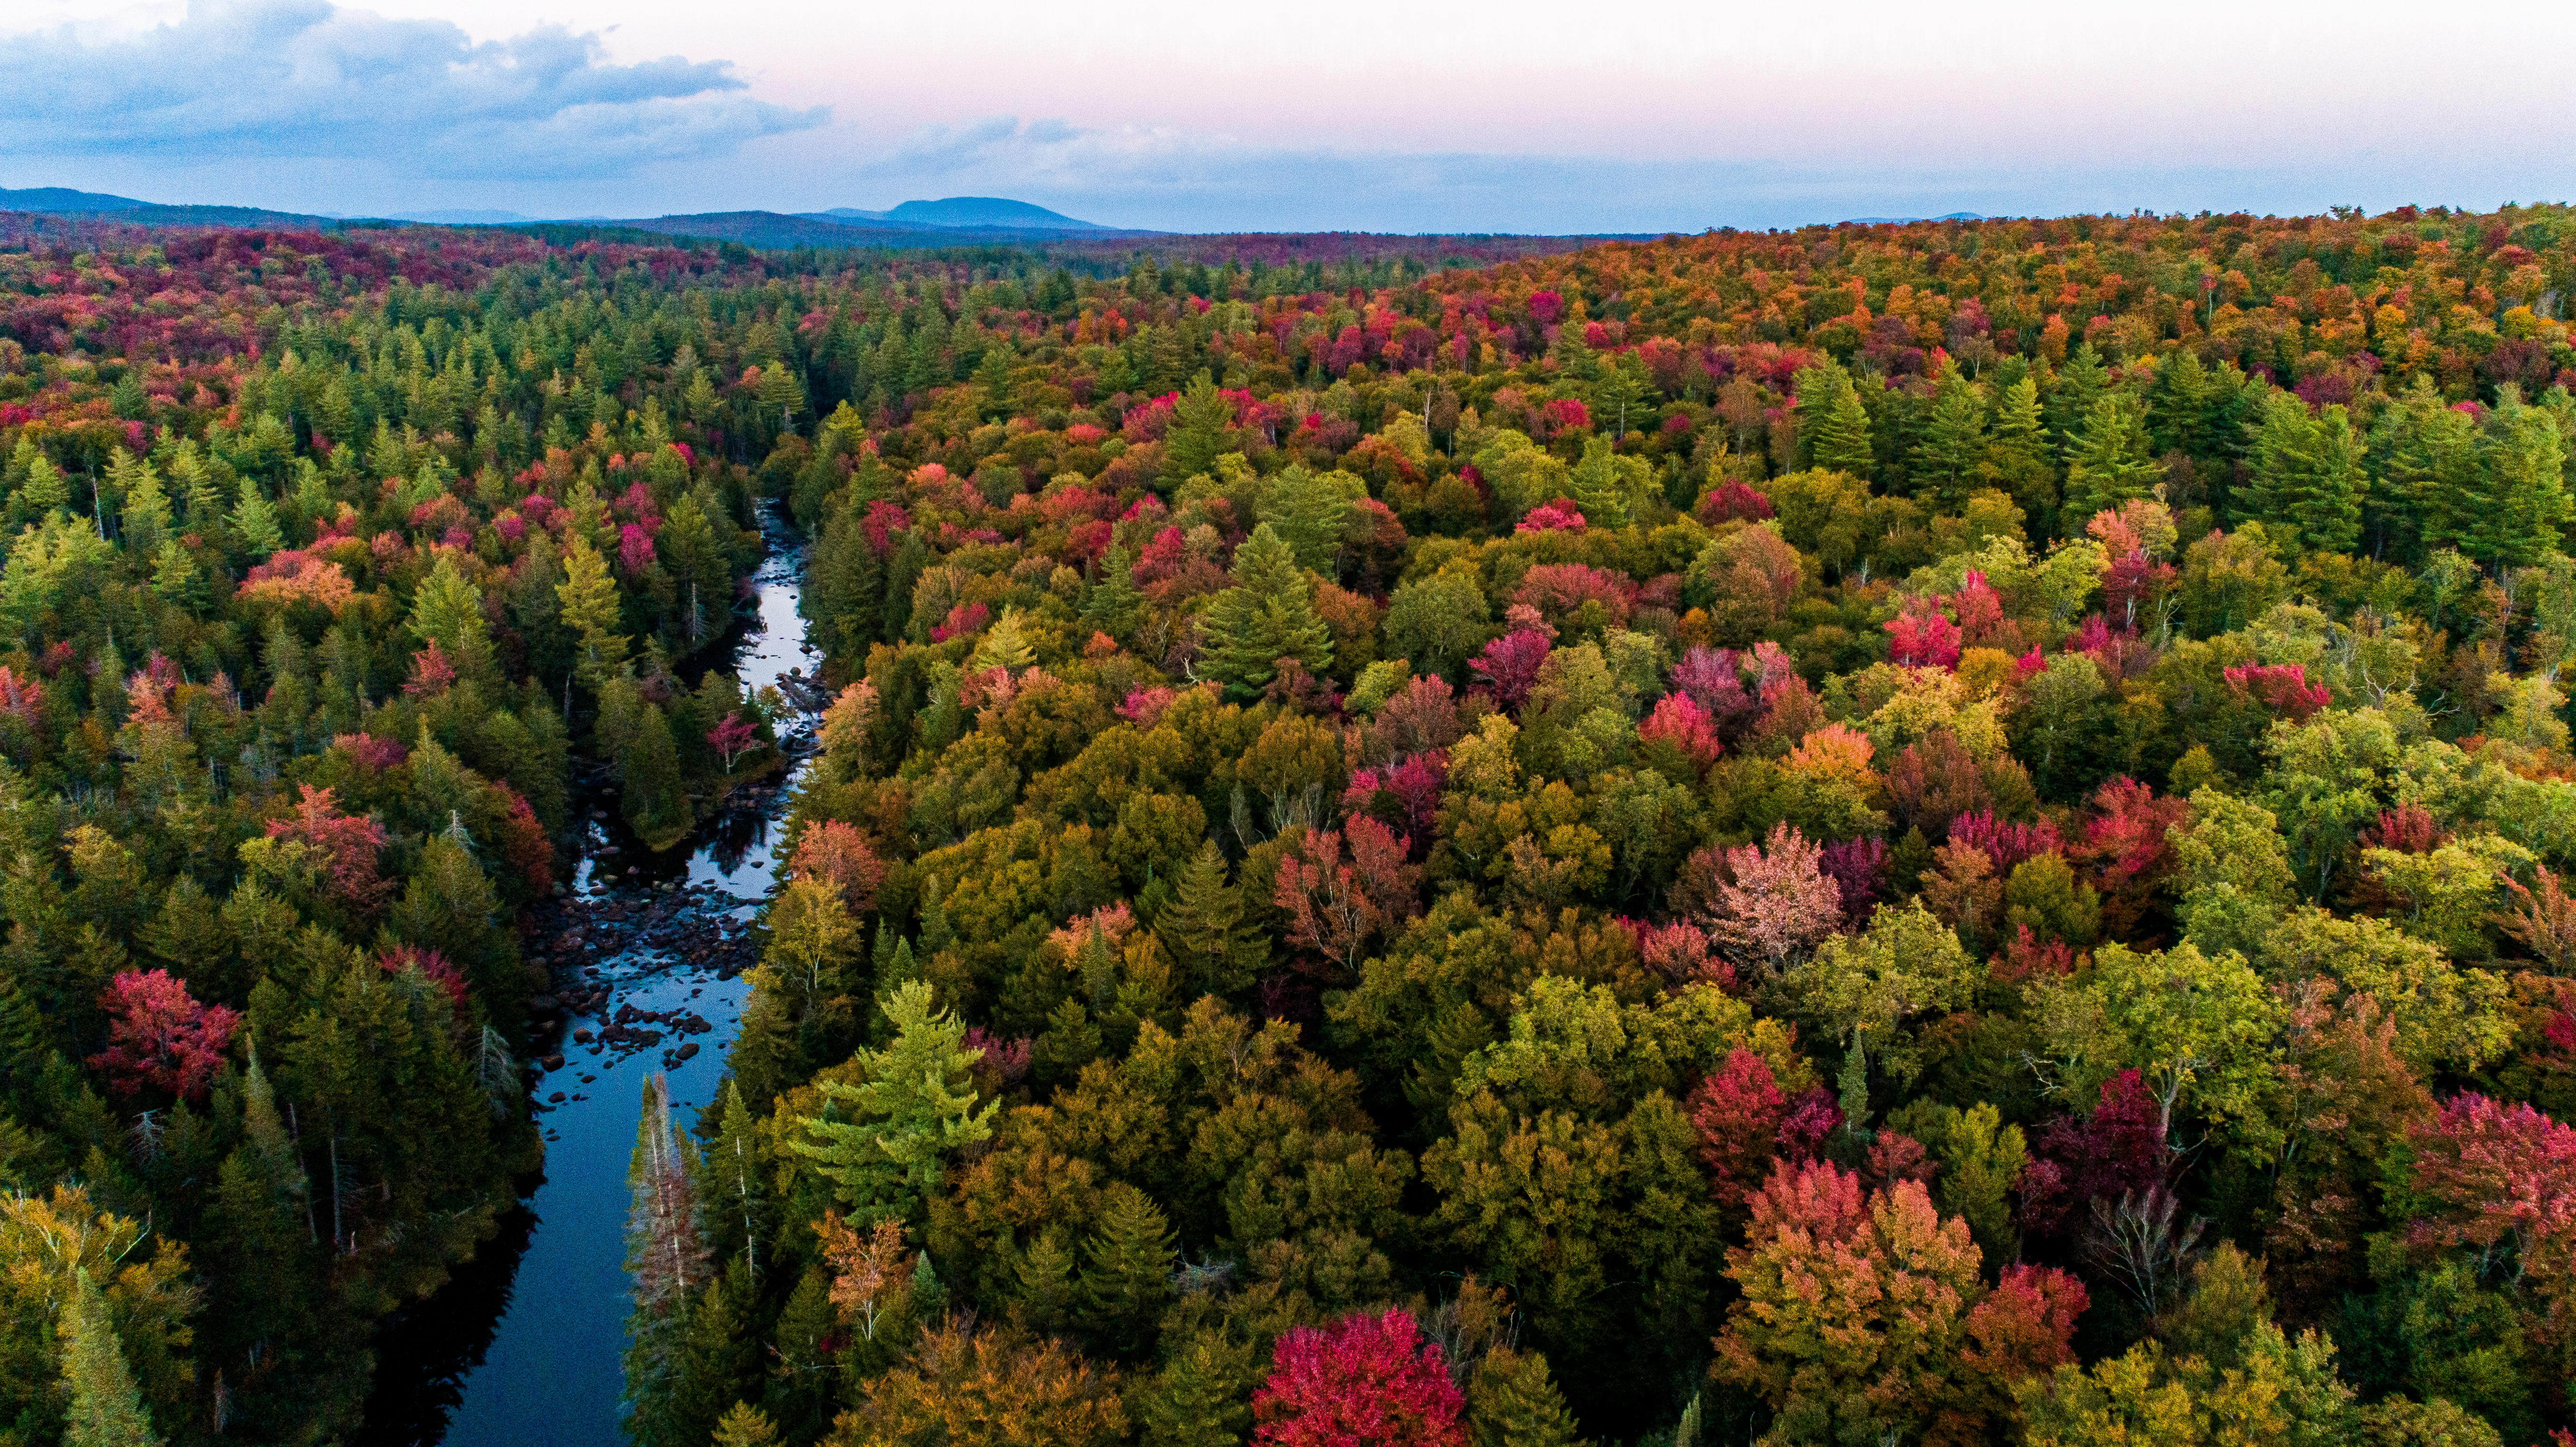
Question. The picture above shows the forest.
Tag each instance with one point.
(1932, 833)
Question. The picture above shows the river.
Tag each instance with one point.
(524, 1343)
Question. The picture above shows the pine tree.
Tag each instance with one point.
(1834, 424)
(106, 1407)
(1113, 606)
(2110, 463)
(732, 1193)
(1126, 1271)
(2015, 460)
(655, 795)
(255, 522)
(448, 611)
(1199, 1398)
(993, 384)
(666, 1254)
(590, 609)
(1267, 615)
(745, 1426)
(1202, 424)
(1203, 930)
(1004, 645)
(144, 507)
(914, 1104)
(1310, 514)
(1602, 486)
(2069, 397)
(44, 492)
(2307, 478)
(2525, 458)
(1945, 461)
(1513, 1402)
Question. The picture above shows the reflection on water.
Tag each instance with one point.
(523, 1344)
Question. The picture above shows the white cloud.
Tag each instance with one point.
(305, 79)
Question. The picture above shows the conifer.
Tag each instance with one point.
(1945, 461)
(1836, 425)
(1126, 1271)
(2109, 462)
(1203, 930)
(1267, 615)
(915, 1103)
(106, 1406)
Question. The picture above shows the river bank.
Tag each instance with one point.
(646, 952)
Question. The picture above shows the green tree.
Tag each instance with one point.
(1954, 442)
(1126, 1271)
(881, 1139)
(448, 611)
(106, 1406)
(1203, 929)
(2200, 1030)
(1200, 1396)
(1310, 512)
(1606, 484)
(1202, 425)
(1513, 1402)
(2307, 478)
(255, 521)
(1268, 615)
(2015, 460)
(2110, 461)
(591, 610)
(1833, 424)
(1437, 623)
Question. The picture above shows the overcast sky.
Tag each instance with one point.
(1613, 115)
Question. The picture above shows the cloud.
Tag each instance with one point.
(289, 79)
(1167, 179)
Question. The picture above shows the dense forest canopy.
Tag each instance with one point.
(1947, 832)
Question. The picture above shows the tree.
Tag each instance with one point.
(1765, 907)
(966, 1387)
(2111, 460)
(1311, 512)
(2015, 460)
(1126, 1271)
(162, 1037)
(255, 522)
(1437, 623)
(1865, 1316)
(667, 1257)
(1198, 1398)
(1268, 615)
(106, 1408)
(2199, 1030)
(1364, 1379)
(447, 612)
(1513, 1402)
(588, 596)
(1201, 426)
(914, 1102)
(1833, 424)
(2307, 474)
(1335, 907)
(1204, 931)
(1954, 441)
(1868, 989)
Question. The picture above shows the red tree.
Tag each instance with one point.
(1683, 728)
(1335, 907)
(1510, 664)
(1365, 1381)
(348, 844)
(1738, 1111)
(838, 854)
(161, 1036)
(731, 738)
(1765, 905)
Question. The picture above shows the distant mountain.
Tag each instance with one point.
(65, 199)
(770, 231)
(962, 212)
(1909, 220)
(467, 217)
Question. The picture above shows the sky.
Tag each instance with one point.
(1608, 116)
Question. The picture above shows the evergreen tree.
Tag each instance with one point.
(2109, 462)
(2069, 397)
(1267, 615)
(106, 1406)
(994, 388)
(448, 611)
(654, 795)
(1113, 606)
(666, 1254)
(588, 596)
(1200, 1396)
(2307, 477)
(1604, 483)
(1945, 461)
(1833, 424)
(745, 1426)
(1126, 1272)
(2526, 464)
(1202, 929)
(1202, 424)
(144, 507)
(2015, 460)
(731, 1191)
(44, 492)
(1513, 1402)
(915, 1103)
(255, 522)
(1310, 514)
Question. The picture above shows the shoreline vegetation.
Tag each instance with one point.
(1948, 831)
